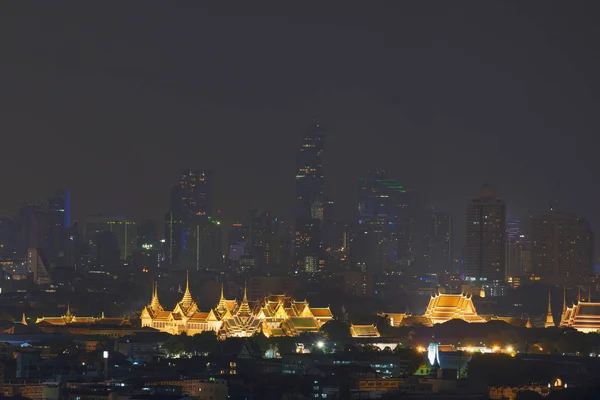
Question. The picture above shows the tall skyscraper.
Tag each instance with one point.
(60, 249)
(124, 235)
(310, 201)
(517, 250)
(310, 180)
(486, 243)
(190, 205)
(192, 235)
(438, 244)
(384, 238)
(561, 247)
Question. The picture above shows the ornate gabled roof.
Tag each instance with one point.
(444, 307)
(364, 331)
(186, 306)
(583, 316)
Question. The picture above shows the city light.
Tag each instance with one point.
(320, 344)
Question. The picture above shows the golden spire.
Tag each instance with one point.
(528, 324)
(564, 299)
(187, 300)
(24, 319)
(549, 319)
(222, 292)
(187, 281)
(155, 303)
(244, 309)
(68, 313)
(102, 316)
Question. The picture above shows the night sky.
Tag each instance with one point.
(113, 102)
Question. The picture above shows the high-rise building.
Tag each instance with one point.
(310, 201)
(486, 238)
(125, 233)
(384, 238)
(517, 250)
(237, 240)
(60, 249)
(561, 246)
(438, 244)
(32, 229)
(189, 223)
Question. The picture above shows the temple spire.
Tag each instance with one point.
(589, 299)
(222, 293)
(564, 299)
(68, 313)
(579, 294)
(549, 319)
(24, 319)
(187, 281)
(187, 300)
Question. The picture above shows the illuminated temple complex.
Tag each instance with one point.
(583, 316)
(275, 315)
(444, 307)
(84, 325)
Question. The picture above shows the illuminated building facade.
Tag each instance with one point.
(274, 315)
(384, 223)
(310, 201)
(561, 247)
(485, 245)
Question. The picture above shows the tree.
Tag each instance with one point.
(336, 331)
(205, 342)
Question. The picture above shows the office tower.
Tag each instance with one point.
(37, 266)
(189, 223)
(561, 247)
(237, 238)
(261, 237)
(384, 233)
(438, 244)
(517, 250)
(59, 223)
(147, 234)
(310, 201)
(125, 233)
(486, 233)
(32, 229)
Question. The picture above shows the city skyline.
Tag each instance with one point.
(131, 122)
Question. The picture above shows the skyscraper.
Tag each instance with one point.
(310, 201)
(59, 224)
(438, 244)
(384, 238)
(517, 250)
(310, 181)
(486, 244)
(561, 247)
(191, 233)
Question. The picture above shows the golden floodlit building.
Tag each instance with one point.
(275, 315)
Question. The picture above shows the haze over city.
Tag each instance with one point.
(325, 200)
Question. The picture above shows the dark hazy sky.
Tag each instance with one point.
(114, 101)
